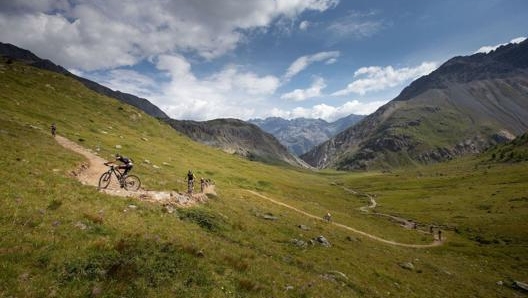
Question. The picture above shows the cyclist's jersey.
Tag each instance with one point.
(124, 160)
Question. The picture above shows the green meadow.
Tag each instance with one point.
(60, 238)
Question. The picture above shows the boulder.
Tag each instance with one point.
(323, 241)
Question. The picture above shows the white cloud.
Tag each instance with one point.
(230, 92)
(330, 113)
(304, 25)
(127, 81)
(302, 94)
(94, 35)
(303, 62)
(356, 25)
(487, 49)
(376, 78)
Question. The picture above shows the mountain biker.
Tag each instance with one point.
(127, 163)
(53, 129)
(190, 181)
(202, 185)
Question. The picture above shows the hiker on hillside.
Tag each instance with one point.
(327, 217)
(127, 164)
(190, 181)
(53, 129)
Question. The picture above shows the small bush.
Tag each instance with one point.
(54, 205)
(203, 218)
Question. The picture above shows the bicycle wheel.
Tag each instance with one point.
(104, 180)
(132, 183)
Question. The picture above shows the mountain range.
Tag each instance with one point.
(300, 135)
(468, 104)
(237, 137)
(465, 106)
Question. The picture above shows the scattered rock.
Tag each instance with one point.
(299, 243)
(269, 217)
(146, 161)
(499, 283)
(156, 167)
(132, 207)
(333, 277)
(407, 266)
(144, 139)
(353, 239)
(338, 275)
(288, 288)
(303, 227)
(323, 241)
(167, 209)
(80, 225)
(24, 277)
(520, 285)
(118, 146)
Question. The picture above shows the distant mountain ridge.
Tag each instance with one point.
(300, 135)
(465, 106)
(238, 137)
(16, 53)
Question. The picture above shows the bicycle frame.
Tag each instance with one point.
(129, 182)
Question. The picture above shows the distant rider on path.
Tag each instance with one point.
(53, 129)
(190, 181)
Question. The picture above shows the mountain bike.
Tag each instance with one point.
(129, 182)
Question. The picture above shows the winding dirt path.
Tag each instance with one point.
(90, 172)
(406, 223)
(373, 237)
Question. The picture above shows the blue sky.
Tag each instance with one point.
(207, 59)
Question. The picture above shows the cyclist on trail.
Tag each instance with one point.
(53, 129)
(202, 185)
(127, 163)
(190, 181)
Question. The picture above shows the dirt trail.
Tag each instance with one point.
(373, 237)
(90, 172)
(406, 223)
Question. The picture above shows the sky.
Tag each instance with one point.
(246, 59)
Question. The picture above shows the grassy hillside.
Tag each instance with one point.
(64, 239)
